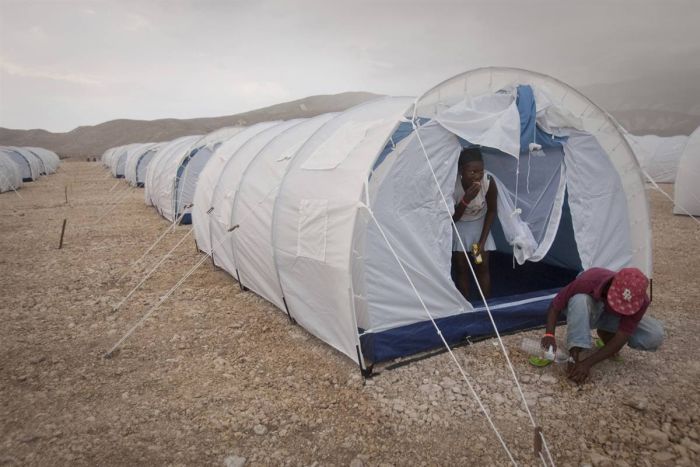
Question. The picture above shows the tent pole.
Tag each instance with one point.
(365, 372)
(286, 308)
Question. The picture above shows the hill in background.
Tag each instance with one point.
(94, 140)
(663, 105)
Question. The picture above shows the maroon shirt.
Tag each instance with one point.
(594, 282)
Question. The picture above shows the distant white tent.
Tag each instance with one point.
(118, 161)
(658, 155)
(162, 172)
(191, 166)
(687, 189)
(137, 161)
(50, 159)
(29, 164)
(10, 173)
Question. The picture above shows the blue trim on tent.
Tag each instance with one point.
(404, 129)
(120, 176)
(420, 337)
(528, 119)
(186, 219)
(29, 179)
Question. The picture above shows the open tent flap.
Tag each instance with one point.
(536, 223)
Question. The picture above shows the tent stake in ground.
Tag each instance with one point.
(63, 231)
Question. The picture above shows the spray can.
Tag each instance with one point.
(476, 253)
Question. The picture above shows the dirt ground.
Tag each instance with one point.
(217, 375)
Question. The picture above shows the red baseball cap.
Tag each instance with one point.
(627, 291)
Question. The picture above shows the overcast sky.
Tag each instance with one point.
(70, 63)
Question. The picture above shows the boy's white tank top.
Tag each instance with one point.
(476, 209)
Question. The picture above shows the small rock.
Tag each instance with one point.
(37, 359)
(357, 462)
(234, 461)
(28, 438)
(657, 436)
(663, 456)
(693, 446)
(637, 403)
(548, 379)
(599, 459)
(260, 429)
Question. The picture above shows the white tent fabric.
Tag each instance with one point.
(137, 161)
(492, 121)
(659, 156)
(50, 159)
(316, 217)
(29, 164)
(161, 174)
(194, 161)
(107, 157)
(226, 189)
(208, 181)
(687, 189)
(10, 173)
(119, 159)
(254, 206)
(35, 161)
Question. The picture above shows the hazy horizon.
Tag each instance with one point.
(69, 64)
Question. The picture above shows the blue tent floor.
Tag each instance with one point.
(520, 298)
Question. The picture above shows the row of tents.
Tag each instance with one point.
(343, 220)
(24, 164)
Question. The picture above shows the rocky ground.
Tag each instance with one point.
(219, 376)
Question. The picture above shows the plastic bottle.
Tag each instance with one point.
(534, 347)
(476, 253)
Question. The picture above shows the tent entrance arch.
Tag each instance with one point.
(322, 256)
(538, 227)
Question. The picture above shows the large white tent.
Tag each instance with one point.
(341, 219)
(687, 189)
(659, 156)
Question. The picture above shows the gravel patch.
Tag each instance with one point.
(219, 376)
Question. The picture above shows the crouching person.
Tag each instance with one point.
(613, 303)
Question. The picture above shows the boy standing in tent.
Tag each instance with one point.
(612, 302)
(475, 209)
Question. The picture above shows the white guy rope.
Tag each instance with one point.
(442, 338)
(162, 236)
(154, 307)
(162, 260)
(116, 200)
(165, 297)
(12, 185)
(481, 293)
(657, 187)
